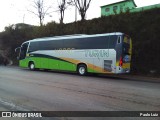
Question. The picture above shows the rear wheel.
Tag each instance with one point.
(82, 70)
(32, 66)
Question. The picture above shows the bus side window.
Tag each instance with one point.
(119, 40)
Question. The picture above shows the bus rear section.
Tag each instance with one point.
(124, 57)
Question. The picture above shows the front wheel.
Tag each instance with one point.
(31, 66)
(82, 70)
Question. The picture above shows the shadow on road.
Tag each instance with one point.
(126, 77)
(104, 76)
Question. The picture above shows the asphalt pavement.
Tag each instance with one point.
(25, 90)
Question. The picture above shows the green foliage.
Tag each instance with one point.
(143, 27)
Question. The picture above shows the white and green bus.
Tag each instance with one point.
(81, 53)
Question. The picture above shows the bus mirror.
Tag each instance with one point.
(18, 48)
(17, 57)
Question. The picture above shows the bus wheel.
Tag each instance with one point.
(82, 70)
(31, 66)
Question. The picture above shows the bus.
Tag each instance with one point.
(81, 53)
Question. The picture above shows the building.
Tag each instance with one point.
(124, 6)
(118, 7)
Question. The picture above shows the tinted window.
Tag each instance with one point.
(119, 40)
(70, 43)
(45, 45)
(33, 46)
(112, 41)
(100, 42)
(50, 45)
(87, 43)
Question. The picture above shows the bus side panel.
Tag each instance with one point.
(109, 63)
(53, 64)
(98, 65)
(23, 63)
(36, 60)
(44, 63)
(67, 66)
(88, 61)
(61, 65)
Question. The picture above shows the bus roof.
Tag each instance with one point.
(73, 36)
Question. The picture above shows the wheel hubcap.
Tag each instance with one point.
(32, 66)
(81, 70)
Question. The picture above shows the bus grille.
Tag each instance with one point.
(108, 65)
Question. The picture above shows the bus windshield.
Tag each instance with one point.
(23, 51)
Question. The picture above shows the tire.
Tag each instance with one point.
(31, 66)
(82, 70)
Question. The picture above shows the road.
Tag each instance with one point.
(22, 89)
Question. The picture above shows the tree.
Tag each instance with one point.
(82, 6)
(40, 9)
(61, 8)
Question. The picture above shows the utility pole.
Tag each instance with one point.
(23, 18)
(76, 12)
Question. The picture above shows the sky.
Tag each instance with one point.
(17, 11)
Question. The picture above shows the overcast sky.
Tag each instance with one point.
(16, 11)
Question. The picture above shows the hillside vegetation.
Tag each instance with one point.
(143, 27)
